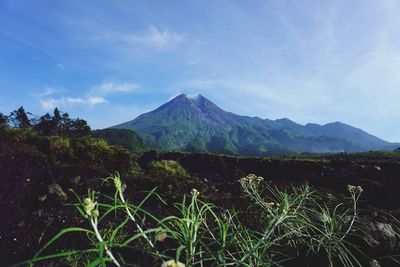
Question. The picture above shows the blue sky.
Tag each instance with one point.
(109, 61)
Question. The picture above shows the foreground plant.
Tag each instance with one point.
(296, 218)
(333, 227)
(201, 234)
(92, 213)
(100, 214)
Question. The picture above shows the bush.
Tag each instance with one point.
(90, 149)
(19, 135)
(57, 148)
(167, 168)
(98, 152)
(125, 138)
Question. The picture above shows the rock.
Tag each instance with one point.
(386, 229)
(382, 235)
(377, 168)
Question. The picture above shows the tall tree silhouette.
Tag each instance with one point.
(20, 118)
(3, 121)
(46, 125)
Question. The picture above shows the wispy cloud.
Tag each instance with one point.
(67, 102)
(153, 37)
(160, 38)
(48, 92)
(113, 87)
(94, 96)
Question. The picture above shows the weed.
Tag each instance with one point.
(201, 234)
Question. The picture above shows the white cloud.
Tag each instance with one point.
(156, 37)
(94, 96)
(111, 87)
(96, 100)
(52, 103)
(48, 92)
(60, 66)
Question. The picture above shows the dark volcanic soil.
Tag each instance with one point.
(31, 214)
(379, 177)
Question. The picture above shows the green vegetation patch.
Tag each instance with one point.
(167, 168)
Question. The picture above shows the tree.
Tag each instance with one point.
(3, 121)
(64, 123)
(79, 127)
(46, 125)
(20, 118)
(57, 118)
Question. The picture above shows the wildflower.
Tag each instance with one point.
(95, 213)
(89, 207)
(351, 188)
(251, 178)
(354, 189)
(194, 192)
(118, 184)
(161, 236)
(271, 204)
(173, 263)
(325, 217)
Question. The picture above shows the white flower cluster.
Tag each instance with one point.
(161, 236)
(173, 263)
(90, 207)
(251, 179)
(354, 189)
(194, 192)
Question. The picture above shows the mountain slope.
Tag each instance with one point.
(198, 125)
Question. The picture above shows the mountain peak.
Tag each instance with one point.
(180, 96)
(194, 123)
(197, 101)
(194, 97)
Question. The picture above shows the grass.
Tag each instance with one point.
(294, 222)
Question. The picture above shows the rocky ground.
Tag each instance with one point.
(34, 191)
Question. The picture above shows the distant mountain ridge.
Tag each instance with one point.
(196, 124)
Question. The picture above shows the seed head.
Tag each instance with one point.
(354, 189)
(161, 236)
(173, 263)
(194, 192)
(251, 179)
(89, 206)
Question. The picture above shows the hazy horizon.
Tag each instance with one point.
(108, 62)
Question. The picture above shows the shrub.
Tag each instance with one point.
(98, 152)
(90, 149)
(167, 168)
(21, 135)
(57, 148)
(125, 138)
